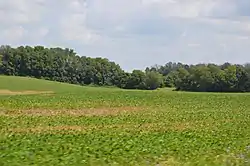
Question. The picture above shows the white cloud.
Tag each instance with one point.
(13, 34)
(21, 11)
(43, 31)
(192, 8)
(134, 33)
(193, 44)
(73, 27)
(37, 35)
(78, 6)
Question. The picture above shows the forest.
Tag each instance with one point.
(65, 65)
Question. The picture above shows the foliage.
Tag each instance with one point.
(206, 77)
(153, 80)
(65, 65)
(135, 127)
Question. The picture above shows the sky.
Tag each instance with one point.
(133, 33)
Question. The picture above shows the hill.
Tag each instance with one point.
(82, 125)
(24, 85)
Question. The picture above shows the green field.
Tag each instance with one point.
(74, 125)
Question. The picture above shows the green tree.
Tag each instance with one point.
(182, 80)
(64, 65)
(136, 80)
(153, 80)
(171, 78)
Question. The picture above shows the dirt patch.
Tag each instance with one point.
(171, 161)
(78, 112)
(8, 92)
(160, 127)
(147, 127)
(40, 129)
(128, 127)
(182, 126)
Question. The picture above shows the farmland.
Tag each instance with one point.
(50, 123)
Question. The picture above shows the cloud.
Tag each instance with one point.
(21, 11)
(134, 33)
(193, 44)
(14, 33)
(72, 27)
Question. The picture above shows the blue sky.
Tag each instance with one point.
(133, 33)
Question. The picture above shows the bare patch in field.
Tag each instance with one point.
(146, 127)
(130, 127)
(166, 127)
(8, 92)
(40, 129)
(182, 126)
(157, 127)
(78, 112)
(170, 161)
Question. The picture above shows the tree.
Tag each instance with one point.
(171, 79)
(136, 80)
(153, 80)
(201, 78)
(230, 82)
(65, 65)
(182, 80)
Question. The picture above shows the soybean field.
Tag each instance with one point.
(51, 123)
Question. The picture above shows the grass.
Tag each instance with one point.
(107, 126)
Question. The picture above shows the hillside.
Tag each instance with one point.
(82, 125)
(27, 84)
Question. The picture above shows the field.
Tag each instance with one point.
(49, 123)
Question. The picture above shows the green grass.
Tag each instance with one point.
(109, 126)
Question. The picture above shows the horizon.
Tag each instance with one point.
(134, 34)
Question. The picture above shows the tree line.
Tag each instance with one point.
(64, 65)
(206, 77)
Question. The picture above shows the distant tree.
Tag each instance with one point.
(201, 78)
(136, 80)
(171, 79)
(65, 65)
(225, 65)
(210, 78)
(182, 80)
(242, 79)
(230, 82)
(154, 80)
(1, 64)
